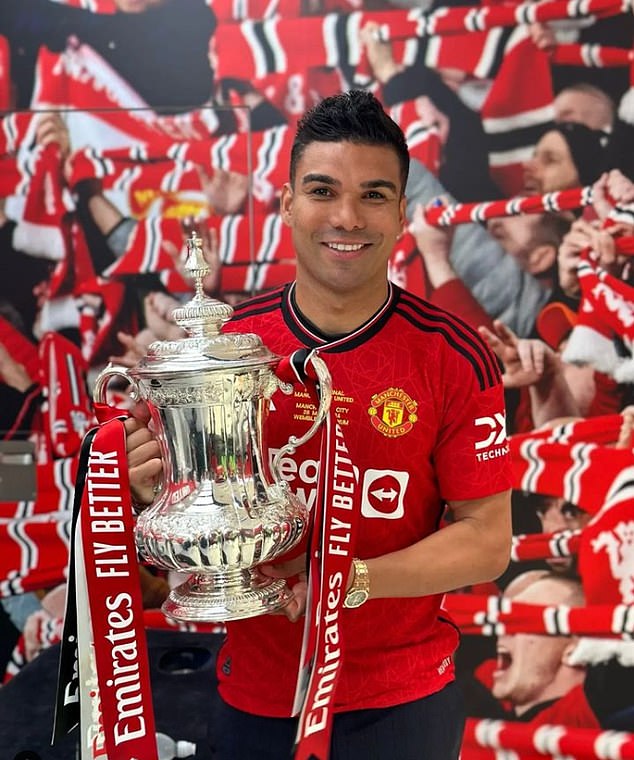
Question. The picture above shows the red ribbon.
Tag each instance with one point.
(114, 594)
(334, 527)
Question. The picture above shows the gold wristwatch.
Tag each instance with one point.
(359, 591)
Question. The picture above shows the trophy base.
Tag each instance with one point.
(226, 595)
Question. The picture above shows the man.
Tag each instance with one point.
(567, 156)
(556, 514)
(530, 240)
(497, 281)
(584, 103)
(420, 406)
(533, 671)
(533, 240)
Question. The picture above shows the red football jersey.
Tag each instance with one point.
(419, 398)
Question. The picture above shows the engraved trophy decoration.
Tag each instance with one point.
(219, 514)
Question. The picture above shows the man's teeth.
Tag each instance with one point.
(346, 248)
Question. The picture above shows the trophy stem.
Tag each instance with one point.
(226, 594)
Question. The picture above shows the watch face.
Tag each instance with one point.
(355, 598)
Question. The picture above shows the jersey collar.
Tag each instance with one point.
(311, 336)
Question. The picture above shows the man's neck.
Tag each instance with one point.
(337, 314)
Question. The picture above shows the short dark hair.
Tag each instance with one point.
(589, 149)
(354, 116)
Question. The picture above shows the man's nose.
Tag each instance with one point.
(529, 167)
(553, 521)
(348, 215)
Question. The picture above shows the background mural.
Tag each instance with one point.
(126, 124)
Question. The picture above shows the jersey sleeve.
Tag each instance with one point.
(472, 452)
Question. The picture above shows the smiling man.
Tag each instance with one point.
(417, 427)
(566, 156)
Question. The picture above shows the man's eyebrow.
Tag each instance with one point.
(326, 179)
(378, 183)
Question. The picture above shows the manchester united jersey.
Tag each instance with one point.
(418, 396)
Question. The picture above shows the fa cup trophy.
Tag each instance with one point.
(219, 513)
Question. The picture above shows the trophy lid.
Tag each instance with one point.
(204, 348)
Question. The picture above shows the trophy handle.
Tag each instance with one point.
(324, 391)
(103, 378)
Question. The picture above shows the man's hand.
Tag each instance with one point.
(434, 245)
(13, 373)
(582, 235)
(379, 54)
(50, 128)
(294, 568)
(135, 347)
(526, 361)
(612, 189)
(626, 432)
(144, 457)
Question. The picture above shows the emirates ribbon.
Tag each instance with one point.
(331, 543)
(104, 682)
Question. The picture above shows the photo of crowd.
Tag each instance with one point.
(127, 125)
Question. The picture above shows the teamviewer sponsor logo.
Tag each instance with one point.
(493, 442)
(383, 494)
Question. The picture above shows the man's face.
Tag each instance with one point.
(557, 514)
(345, 210)
(528, 666)
(515, 234)
(551, 167)
(584, 108)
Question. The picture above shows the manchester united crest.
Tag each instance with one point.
(392, 412)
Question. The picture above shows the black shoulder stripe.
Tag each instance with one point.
(470, 335)
(458, 334)
(484, 379)
(260, 304)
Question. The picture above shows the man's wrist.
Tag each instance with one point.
(439, 271)
(358, 591)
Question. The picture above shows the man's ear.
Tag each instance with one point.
(286, 202)
(541, 259)
(403, 215)
(567, 653)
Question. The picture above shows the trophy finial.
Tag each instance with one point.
(202, 316)
(195, 264)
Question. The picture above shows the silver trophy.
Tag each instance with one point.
(219, 514)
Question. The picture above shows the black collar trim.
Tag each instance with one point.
(311, 337)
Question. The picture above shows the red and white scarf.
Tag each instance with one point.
(514, 740)
(466, 213)
(34, 552)
(606, 312)
(573, 461)
(497, 616)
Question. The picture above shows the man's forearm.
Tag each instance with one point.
(462, 553)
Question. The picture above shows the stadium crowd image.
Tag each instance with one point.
(145, 148)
